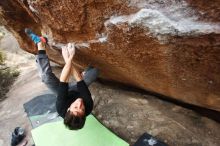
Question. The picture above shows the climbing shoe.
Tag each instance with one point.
(17, 136)
(35, 38)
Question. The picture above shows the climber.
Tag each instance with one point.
(74, 100)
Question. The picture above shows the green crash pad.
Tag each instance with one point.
(93, 134)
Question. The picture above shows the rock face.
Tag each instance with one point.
(168, 47)
(128, 114)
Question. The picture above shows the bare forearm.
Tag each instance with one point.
(68, 52)
(64, 77)
(76, 73)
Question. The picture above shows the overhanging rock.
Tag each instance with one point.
(168, 47)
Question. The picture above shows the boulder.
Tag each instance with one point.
(168, 47)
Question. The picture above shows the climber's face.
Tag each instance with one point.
(77, 108)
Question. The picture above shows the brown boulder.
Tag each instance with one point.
(168, 47)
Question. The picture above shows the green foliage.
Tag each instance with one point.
(7, 77)
(2, 58)
(2, 34)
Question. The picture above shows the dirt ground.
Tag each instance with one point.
(127, 113)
